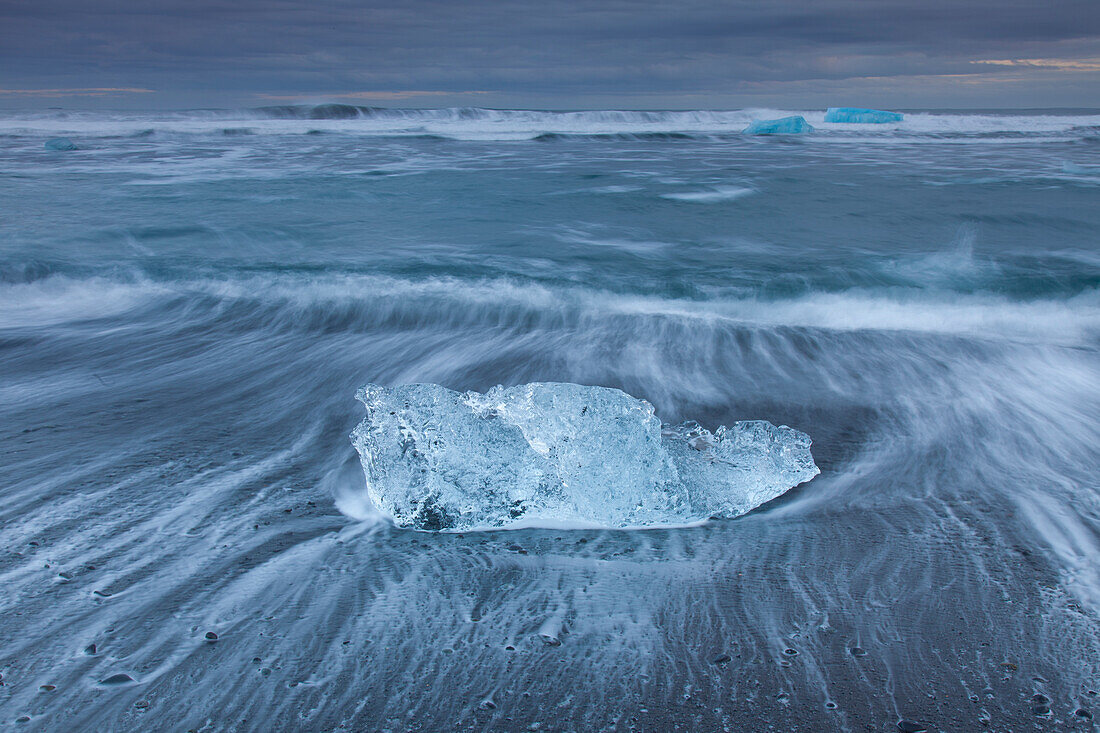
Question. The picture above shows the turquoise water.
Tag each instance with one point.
(189, 301)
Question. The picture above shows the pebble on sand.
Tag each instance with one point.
(118, 678)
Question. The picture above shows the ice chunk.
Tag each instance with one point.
(855, 114)
(60, 143)
(782, 126)
(560, 454)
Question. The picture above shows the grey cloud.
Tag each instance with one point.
(566, 50)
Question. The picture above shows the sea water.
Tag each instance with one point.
(189, 302)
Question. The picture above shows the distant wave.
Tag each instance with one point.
(315, 112)
(473, 123)
(551, 136)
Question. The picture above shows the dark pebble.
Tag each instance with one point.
(1041, 710)
(830, 705)
(90, 650)
(211, 636)
(857, 651)
(510, 648)
(1083, 714)
(790, 652)
(23, 719)
(48, 688)
(119, 678)
(1040, 699)
(721, 659)
(908, 726)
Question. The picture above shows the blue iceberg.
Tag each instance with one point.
(865, 116)
(783, 126)
(60, 143)
(550, 454)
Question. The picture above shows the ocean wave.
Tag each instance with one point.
(622, 136)
(471, 123)
(360, 301)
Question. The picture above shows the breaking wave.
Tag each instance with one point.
(473, 123)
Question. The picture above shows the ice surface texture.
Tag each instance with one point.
(782, 126)
(854, 114)
(545, 454)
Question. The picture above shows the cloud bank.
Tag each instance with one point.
(560, 53)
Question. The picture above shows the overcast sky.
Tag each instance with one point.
(558, 54)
